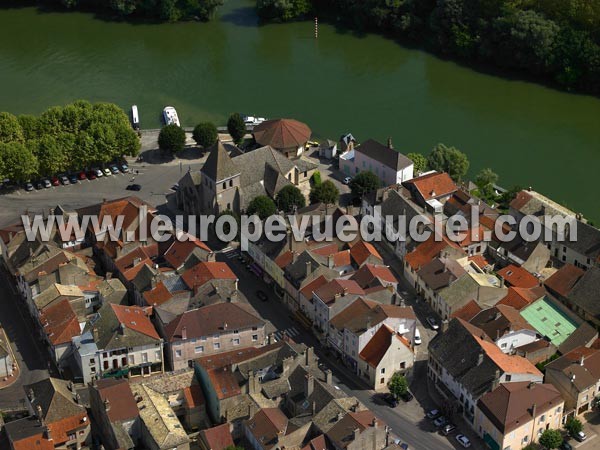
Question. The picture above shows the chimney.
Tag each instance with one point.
(309, 385)
(30, 395)
(328, 377)
(309, 356)
(184, 333)
(374, 424)
(136, 261)
(251, 382)
(108, 275)
(572, 378)
(444, 326)
(530, 385)
(106, 404)
(314, 408)
(480, 358)
(355, 434)
(581, 360)
(501, 281)
(496, 381)
(122, 329)
(533, 410)
(330, 262)
(389, 142)
(47, 434)
(95, 334)
(308, 269)
(344, 292)
(39, 414)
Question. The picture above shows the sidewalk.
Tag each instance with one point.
(16, 372)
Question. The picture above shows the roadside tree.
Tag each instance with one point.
(10, 128)
(398, 385)
(551, 439)
(205, 134)
(419, 160)
(171, 138)
(289, 198)
(18, 163)
(363, 183)
(325, 192)
(236, 127)
(262, 206)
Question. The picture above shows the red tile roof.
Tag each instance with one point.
(327, 293)
(307, 291)
(236, 356)
(60, 322)
(126, 261)
(479, 260)
(520, 200)
(325, 250)
(35, 442)
(285, 259)
(361, 251)
(207, 271)
(157, 296)
(468, 311)
(341, 259)
(268, 424)
(193, 396)
(379, 344)
(370, 272)
(433, 185)
(136, 319)
(120, 398)
(519, 298)
(426, 251)
(564, 279)
(217, 438)
(179, 251)
(224, 382)
(282, 133)
(518, 277)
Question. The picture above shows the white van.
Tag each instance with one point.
(417, 337)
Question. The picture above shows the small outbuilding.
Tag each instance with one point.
(287, 136)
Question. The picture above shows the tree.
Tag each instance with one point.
(262, 206)
(363, 183)
(18, 162)
(171, 138)
(573, 426)
(282, 10)
(29, 125)
(398, 385)
(10, 128)
(450, 160)
(485, 181)
(205, 134)
(51, 156)
(290, 198)
(325, 192)
(551, 439)
(316, 178)
(419, 161)
(236, 127)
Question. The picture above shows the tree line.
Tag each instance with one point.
(164, 10)
(555, 40)
(64, 138)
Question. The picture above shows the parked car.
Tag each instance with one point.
(463, 440)
(565, 446)
(581, 436)
(98, 172)
(114, 169)
(28, 187)
(64, 180)
(407, 396)
(417, 337)
(38, 185)
(347, 180)
(55, 181)
(124, 168)
(390, 400)
(107, 171)
(262, 296)
(46, 183)
(134, 187)
(433, 414)
(73, 178)
(433, 323)
(448, 428)
(440, 421)
(82, 175)
(91, 175)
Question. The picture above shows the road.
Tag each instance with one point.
(30, 353)
(406, 421)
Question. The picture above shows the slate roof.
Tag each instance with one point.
(342, 433)
(500, 320)
(587, 242)
(585, 293)
(282, 133)
(210, 320)
(384, 154)
(582, 376)
(219, 165)
(27, 434)
(511, 405)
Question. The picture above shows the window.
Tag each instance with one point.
(216, 346)
(229, 206)
(92, 369)
(236, 331)
(131, 360)
(503, 345)
(178, 353)
(543, 418)
(92, 361)
(224, 185)
(199, 349)
(382, 381)
(236, 341)
(144, 357)
(382, 370)
(158, 355)
(215, 336)
(203, 338)
(255, 337)
(230, 183)
(508, 378)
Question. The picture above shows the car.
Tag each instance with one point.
(347, 180)
(407, 396)
(28, 187)
(448, 428)
(46, 183)
(565, 446)
(390, 400)
(134, 187)
(262, 296)
(440, 421)
(580, 436)
(433, 323)
(433, 414)
(55, 181)
(73, 178)
(81, 175)
(38, 185)
(124, 168)
(463, 440)
(114, 170)
(64, 180)
(404, 446)
(91, 175)
(417, 340)
(107, 171)
(98, 172)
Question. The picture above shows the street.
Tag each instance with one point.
(407, 420)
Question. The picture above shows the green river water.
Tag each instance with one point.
(340, 82)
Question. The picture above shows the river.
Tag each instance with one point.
(341, 82)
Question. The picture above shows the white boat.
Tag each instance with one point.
(170, 116)
(135, 117)
(251, 120)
